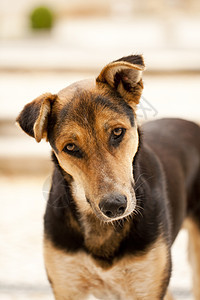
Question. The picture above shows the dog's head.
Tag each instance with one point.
(91, 126)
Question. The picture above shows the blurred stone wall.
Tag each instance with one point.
(14, 21)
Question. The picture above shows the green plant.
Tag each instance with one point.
(41, 18)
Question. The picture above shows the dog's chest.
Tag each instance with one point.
(80, 276)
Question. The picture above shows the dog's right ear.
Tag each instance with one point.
(34, 117)
(125, 76)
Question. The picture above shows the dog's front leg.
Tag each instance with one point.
(70, 274)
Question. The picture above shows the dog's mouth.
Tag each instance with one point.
(114, 208)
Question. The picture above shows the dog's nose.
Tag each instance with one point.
(113, 205)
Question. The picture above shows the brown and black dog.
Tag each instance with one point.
(119, 193)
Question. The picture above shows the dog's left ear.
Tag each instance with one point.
(125, 76)
(34, 118)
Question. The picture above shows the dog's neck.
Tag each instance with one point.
(99, 238)
(102, 239)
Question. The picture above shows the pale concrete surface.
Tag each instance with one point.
(87, 44)
(169, 41)
(22, 273)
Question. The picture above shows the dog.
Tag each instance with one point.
(120, 192)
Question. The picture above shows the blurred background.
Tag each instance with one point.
(44, 46)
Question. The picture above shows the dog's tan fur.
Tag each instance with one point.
(194, 254)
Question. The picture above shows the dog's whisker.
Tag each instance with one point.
(139, 178)
(146, 179)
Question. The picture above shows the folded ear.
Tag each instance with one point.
(125, 76)
(34, 117)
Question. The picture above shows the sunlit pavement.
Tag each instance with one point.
(22, 273)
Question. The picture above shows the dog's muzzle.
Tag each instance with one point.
(113, 205)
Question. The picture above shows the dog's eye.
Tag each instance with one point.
(117, 132)
(116, 136)
(72, 149)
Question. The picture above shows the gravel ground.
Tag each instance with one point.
(22, 273)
